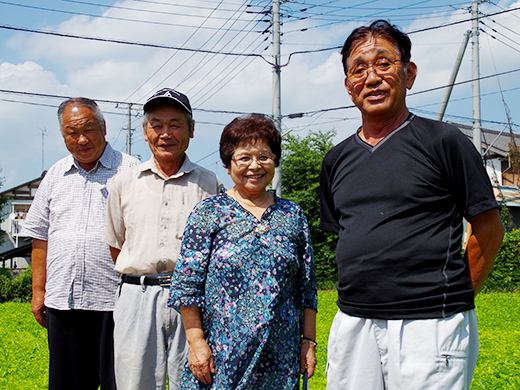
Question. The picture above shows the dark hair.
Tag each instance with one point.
(379, 28)
(82, 102)
(249, 129)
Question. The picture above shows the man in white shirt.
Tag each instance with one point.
(146, 215)
(73, 279)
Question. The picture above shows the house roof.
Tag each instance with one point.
(510, 196)
(23, 191)
(22, 251)
(499, 140)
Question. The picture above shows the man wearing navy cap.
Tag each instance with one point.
(146, 214)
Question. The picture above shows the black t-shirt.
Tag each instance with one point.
(398, 209)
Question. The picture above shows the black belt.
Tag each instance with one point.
(162, 280)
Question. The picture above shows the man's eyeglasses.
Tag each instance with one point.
(382, 67)
(245, 160)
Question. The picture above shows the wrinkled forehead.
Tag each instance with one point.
(370, 47)
(78, 115)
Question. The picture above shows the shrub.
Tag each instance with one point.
(5, 272)
(21, 287)
(5, 289)
(18, 289)
(505, 275)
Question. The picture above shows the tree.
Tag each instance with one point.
(301, 167)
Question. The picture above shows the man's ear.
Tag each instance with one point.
(144, 132)
(192, 129)
(411, 74)
(348, 86)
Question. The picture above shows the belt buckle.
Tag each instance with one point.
(164, 281)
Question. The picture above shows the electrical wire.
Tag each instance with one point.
(103, 16)
(171, 57)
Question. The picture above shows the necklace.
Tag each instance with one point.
(243, 202)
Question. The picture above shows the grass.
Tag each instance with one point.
(24, 353)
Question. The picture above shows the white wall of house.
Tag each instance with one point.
(14, 212)
(493, 169)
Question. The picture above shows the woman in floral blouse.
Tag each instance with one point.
(245, 281)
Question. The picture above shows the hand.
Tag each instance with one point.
(307, 359)
(200, 360)
(39, 310)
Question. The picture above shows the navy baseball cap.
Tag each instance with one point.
(171, 95)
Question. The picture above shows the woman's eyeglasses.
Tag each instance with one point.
(245, 160)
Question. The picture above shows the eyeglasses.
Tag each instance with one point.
(245, 160)
(382, 67)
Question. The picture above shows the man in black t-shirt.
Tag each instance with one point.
(396, 193)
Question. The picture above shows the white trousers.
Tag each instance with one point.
(368, 354)
(149, 339)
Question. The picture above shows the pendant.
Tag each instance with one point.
(261, 229)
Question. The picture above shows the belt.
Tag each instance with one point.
(162, 280)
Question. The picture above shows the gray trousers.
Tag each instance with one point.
(149, 339)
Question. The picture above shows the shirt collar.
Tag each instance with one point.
(186, 167)
(106, 160)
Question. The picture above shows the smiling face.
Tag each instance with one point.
(168, 134)
(380, 96)
(251, 181)
(84, 136)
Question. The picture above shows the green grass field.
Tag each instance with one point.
(24, 354)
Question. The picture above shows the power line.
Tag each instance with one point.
(110, 17)
(151, 11)
(171, 57)
(308, 113)
(200, 64)
(63, 97)
(67, 35)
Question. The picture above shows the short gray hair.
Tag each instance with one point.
(84, 102)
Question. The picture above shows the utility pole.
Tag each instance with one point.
(43, 133)
(453, 76)
(129, 133)
(477, 141)
(277, 100)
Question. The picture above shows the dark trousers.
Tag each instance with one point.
(81, 347)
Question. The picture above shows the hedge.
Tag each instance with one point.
(18, 289)
(505, 275)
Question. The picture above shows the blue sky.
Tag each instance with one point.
(221, 86)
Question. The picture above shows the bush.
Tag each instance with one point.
(505, 275)
(18, 289)
(5, 289)
(301, 166)
(5, 272)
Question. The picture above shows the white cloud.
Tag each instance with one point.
(310, 82)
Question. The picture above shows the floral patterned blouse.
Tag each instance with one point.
(252, 280)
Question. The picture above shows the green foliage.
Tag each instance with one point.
(18, 289)
(506, 217)
(301, 167)
(5, 272)
(505, 275)
(5, 289)
(498, 365)
(24, 356)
